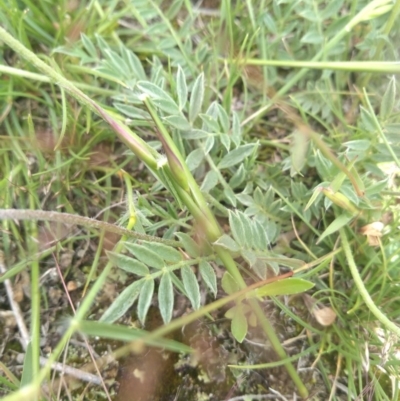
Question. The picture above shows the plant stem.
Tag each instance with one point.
(35, 298)
(67, 218)
(361, 287)
(386, 67)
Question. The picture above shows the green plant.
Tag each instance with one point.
(205, 160)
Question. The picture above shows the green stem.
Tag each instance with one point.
(361, 288)
(35, 298)
(5, 69)
(175, 156)
(387, 67)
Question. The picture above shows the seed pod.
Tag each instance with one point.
(340, 200)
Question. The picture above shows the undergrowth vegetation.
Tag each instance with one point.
(206, 179)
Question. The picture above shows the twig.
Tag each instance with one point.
(67, 218)
(69, 370)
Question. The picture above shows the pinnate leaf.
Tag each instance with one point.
(191, 286)
(122, 303)
(208, 275)
(145, 297)
(181, 88)
(237, 228)
(128, 264)
(229, 284)
(166, 297)
(189, 245)
(166, 252)
(336, 224)
(237, 155)
(196, 97)
(388, 99)
(287, 286)
(225, 241)
(239, 324)
(159, 97)
(145, 255)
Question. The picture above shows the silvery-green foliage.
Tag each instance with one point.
(253, 241)
(153, 263)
